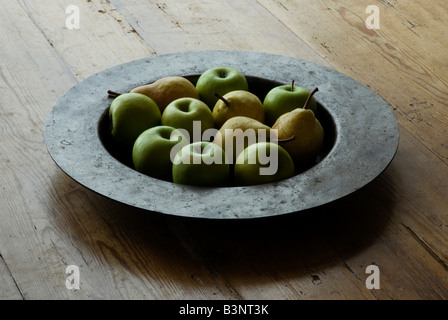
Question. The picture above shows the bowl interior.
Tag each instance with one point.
(258, 86)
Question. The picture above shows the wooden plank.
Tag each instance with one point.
(174, 16)
(93, 233)
(9, 290)
(52, 222)
(324, 253)
(172, 26)
(178, 25)
(123, 253)
(415, 87)
(97, 44)
(405, 44)
(372, 232)
(22, 134)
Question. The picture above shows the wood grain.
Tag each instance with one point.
(104, 38)
(171, 26)
(398, 222)
(403, 59)
(9, 289)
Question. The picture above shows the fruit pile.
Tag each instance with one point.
(216, 132)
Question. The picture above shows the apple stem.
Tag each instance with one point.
(223, 99)
(292, 86)
(309, 98)
(113, 93)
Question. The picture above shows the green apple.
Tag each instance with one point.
(131, 114)
(190, 114)
(201, 163)
(263, 162)
(283, 99)
(219, 80)
(154, 151)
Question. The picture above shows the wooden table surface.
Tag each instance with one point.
(398, 223)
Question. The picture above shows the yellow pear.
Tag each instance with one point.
(237, 103)
(307, 131)
(167, 89)
(239, 132)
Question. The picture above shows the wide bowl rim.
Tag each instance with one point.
(366, 141)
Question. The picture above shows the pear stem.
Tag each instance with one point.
(113, 93)
(223, 99)
(309, 98)
(286, 139)
(292, 86)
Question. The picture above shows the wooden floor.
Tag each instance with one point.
(398, 223)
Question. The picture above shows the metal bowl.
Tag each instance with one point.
(361, 138)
